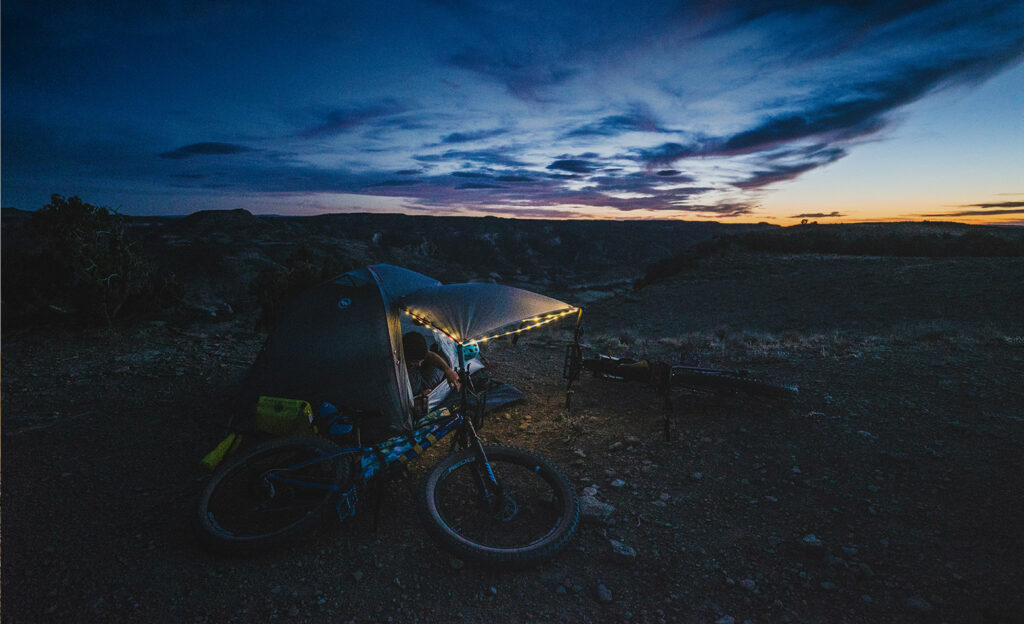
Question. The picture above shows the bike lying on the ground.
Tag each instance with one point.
(490, 504)
(342, 344)
(665, 377)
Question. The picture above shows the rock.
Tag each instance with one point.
(602, 593)
(593, 510)
(618, 483)
(828, 585)
(665, 496)
(614, 446)
(590, 490)
(697, 476)
(622, 553)
(811, 542)
(357, 575)
(748, 584)
(726, 619)
(456, 564)
(493, 590)
(918, 604)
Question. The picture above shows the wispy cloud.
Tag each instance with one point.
(817, 215)
(341, 120)
(478, 135)
(987, 209)
(204, 149)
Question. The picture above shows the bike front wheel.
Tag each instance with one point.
(730, 381)
(528, 517)
(271, 493)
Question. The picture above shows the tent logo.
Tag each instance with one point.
(344, 303)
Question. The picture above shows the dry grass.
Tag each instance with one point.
(768, 347)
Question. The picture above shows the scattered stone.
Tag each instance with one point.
(590, 490)
(560, 590)
(456, 564)
(593, 510)
(918, 604)
(726, 619)
(493, 590)
(665, 496)
(614, 446)
(866, 598)
(811, 542)
(828, 585)
(602, 593)
(697, 476)
(618, 483)
(622, 553)
(357, 575)
(748, 584)
(632, 440)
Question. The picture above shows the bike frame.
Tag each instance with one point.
(379, 458)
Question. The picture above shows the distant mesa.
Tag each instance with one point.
(220, 220)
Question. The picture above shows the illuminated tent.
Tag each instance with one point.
(341, 341)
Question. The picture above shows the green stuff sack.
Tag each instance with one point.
(226, 447)
(282, 417)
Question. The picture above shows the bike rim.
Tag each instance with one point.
(529, 513)
(268, 494)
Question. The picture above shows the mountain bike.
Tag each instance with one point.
(666, 377)
(495, 505)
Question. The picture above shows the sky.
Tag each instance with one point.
(738, 111)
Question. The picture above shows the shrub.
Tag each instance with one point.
(90, 265)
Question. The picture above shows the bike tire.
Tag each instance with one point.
(540, 512)
(244, 509)
(731, 382)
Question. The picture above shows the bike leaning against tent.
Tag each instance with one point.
(339, 347)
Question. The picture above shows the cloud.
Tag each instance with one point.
(817, 215)
(466, 137)
(498, 156)
(639, 119)
(523, 79)
(341, 120)
(1001, 208)
(572, 166)
(1009, 204)
(775, 171)
(205, 149)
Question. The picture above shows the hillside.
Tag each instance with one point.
(889, 491)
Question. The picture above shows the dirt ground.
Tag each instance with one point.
(892, 490)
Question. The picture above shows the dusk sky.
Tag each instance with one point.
(733, 111)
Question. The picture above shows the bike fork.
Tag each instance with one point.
(487, 481)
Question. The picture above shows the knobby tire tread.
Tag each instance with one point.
(504, 558)
(216, 540)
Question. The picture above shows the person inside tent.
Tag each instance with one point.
(426, 368)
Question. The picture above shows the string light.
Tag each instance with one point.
(536, 321)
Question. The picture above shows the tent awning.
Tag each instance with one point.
(477, 312)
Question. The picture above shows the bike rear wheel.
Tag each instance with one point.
(533, 517)
(271, 493)
(727, 381)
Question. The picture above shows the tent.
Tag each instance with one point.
(341, 341)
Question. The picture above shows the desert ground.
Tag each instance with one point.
(891, 490)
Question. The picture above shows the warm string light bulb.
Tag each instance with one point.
(536, 321)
